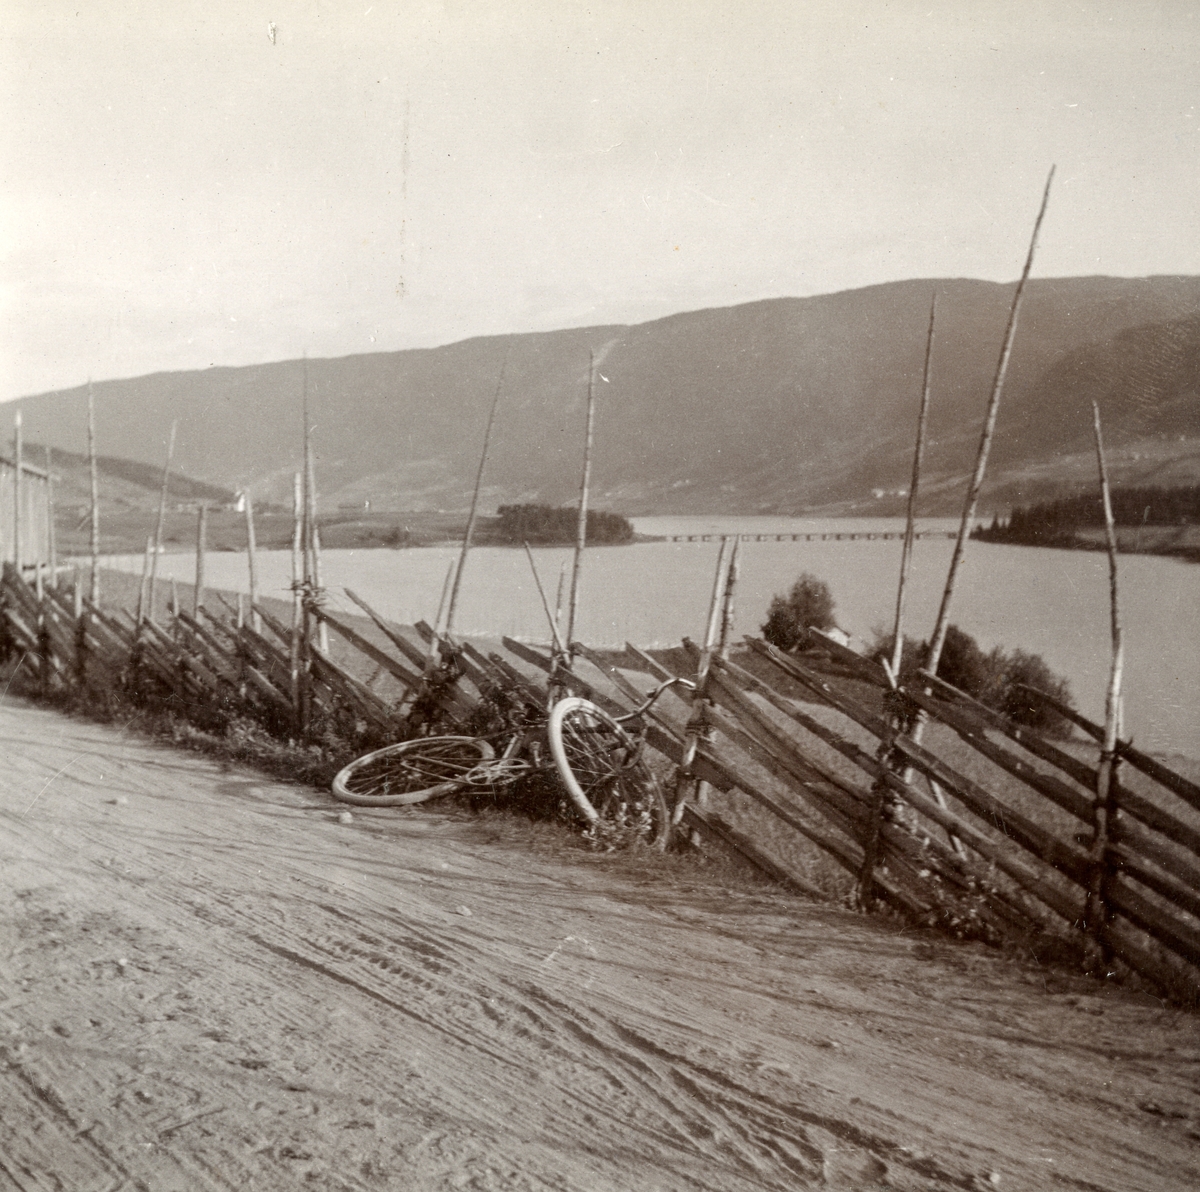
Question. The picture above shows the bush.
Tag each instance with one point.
(809, 605)
(991, 678)
(911, 660)
(963, 664)
(1031, 671)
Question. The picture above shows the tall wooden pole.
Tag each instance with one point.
(162, 513)
(306, 535)
(141, 601)
(448, 580)
(697, 726)
(255, 620)
(985, 444)
(910, 523)
(18, 468)
(314, 543)
(558, 597)
(1112, 700)
(556, 641)
(1105, 808)
(297, 546)
(470, 530)
(201, 545)
(312, 536)
(53, 534)
(731, 579)
(94, 586)
(711, 627)
(297, 590)
(581, 525)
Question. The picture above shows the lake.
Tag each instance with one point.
(1054, 603)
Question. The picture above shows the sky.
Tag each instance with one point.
(227, 182)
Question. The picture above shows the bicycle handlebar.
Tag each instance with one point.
(649, 701)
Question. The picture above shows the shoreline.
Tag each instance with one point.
(1187, 551)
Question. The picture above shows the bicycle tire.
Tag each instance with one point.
(601, 767)
(410, 772)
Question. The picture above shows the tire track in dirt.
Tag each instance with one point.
(403, 1001)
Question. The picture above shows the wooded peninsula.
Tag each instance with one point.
(1149, 520)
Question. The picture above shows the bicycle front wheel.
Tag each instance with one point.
(411, 771)
(601, 766)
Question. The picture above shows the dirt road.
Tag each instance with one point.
(209, 982)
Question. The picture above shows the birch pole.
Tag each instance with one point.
(1105, 809)
(441, 608)
(297, 589)
(141, 601)
(985, 444)
(714, 614)
(581, 526)
(470, 530)
(305, 533)
(201, 533)
(162, 512)
(880, 794)
(697, 726)
(537, 579)
(558, 598)
(314, 532)
(731, 579)
(911, 519)
(94, 586)
(18, 467)
(1112, 700)
(50, 519)
(255, 619)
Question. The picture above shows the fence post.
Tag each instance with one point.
(52, 536)
(251, 548)
(147, 566)
(17, 486)
(1104, 816)
(81, 638)
(698, 728)
(881, 795)
(45, 646)
(94, 508)
(198, 593)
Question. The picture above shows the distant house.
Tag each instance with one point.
(26, 540)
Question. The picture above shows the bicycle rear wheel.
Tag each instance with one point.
(410, 772)
(601, 766)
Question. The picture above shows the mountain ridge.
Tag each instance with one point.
(779, 405)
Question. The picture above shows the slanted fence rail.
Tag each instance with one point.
(984, 827)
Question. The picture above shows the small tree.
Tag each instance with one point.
(963, 664)
(809, 605)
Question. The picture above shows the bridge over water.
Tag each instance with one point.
(829, 536)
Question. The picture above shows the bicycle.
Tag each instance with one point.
(598, 761)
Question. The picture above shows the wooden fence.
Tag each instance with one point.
(983, 827)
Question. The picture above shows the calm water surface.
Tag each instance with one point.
(1054, 603)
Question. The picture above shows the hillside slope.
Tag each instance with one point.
(129, 494)
(773, 406)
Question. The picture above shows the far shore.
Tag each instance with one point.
(1180, 542)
